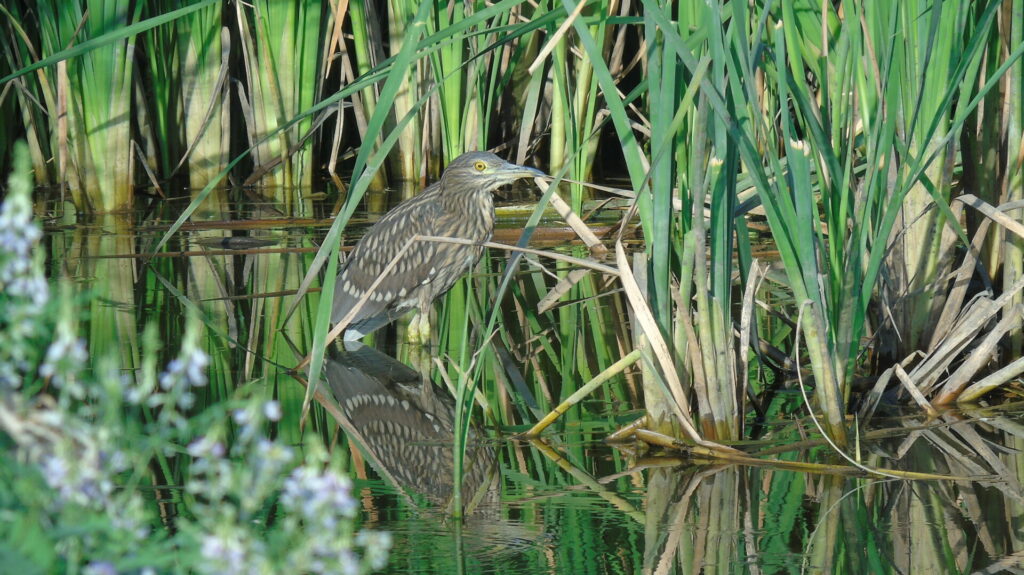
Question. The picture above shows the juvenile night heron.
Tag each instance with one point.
(460, 205)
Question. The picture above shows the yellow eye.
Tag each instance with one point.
(480, 166)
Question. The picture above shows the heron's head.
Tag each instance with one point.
(482, 172)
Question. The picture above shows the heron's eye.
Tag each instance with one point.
(480, 166)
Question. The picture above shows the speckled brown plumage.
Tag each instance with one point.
(460, 205)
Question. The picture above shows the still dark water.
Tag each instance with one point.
(568, 503)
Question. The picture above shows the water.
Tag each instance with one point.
(568, 503)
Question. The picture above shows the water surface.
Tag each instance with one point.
(568, 503)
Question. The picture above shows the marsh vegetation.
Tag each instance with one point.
(806, 280)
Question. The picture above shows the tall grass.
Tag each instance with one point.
(98, 99)
(86, 125)
(203, 52)
(281, 50)
(1011, 183)
(25, 100)
(802, 145)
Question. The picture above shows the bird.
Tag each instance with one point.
(459, 205)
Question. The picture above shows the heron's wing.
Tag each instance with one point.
(375, 252)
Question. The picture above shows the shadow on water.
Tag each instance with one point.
(568, 503)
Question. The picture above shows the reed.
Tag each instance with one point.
(19, 49)
(281, 49)
(95, 91)
(203, 51)
(75, 75)
(1011, 179)
(365, 54)
(405, 163)
(572, 104)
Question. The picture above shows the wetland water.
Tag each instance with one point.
(568, 503)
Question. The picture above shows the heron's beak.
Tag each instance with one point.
(516, 171)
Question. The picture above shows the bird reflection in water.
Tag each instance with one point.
(406, 427)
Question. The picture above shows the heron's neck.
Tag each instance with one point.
(478, 203)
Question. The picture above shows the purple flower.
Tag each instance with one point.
(206, 447)
(322, 499)
(100, 568)
(272, 410)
